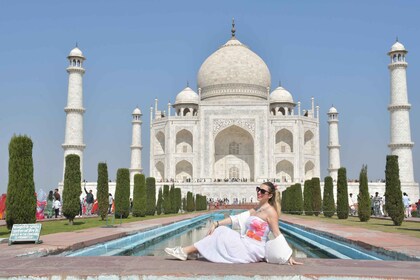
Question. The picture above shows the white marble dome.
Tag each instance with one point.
(234, 64)
(281, 95)
(397, 47)
(76, 52)
(137, 111)
(187, 96)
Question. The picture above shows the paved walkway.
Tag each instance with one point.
(19, 260)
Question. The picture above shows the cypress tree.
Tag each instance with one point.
(139, 196)
(316, 196)
(393, 195)
(283, 201)
(122, 193)
(363, 200)
(166, 200)
(184, 204)
(190, 202)
(151, 196)
(172, 199)
(178, 199)
(299, 199)
(159, 202)
(197, 202)
(72, 187)
(342, 194)
(328, 206)
(103, 190)
(21, 199)
(307, 198)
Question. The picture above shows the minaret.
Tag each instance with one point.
(333, 143)
(73, 141)
(399, 108)
(136, 147)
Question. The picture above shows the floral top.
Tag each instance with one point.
(257, 228)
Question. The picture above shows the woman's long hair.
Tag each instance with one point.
(50, 196)
(275, 200)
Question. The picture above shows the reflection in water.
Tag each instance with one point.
(189, 236)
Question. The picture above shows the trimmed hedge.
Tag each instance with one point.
(103, 190)
(316, 196)
(363, 200)
(72, 187)
(122, 193)
(21, 199)
(307, 198)
(190, 202)
(328, 206)
(393, 204)
(151, 196)
(342, 194)
(139, 196)
(159, 202)
(166, 200)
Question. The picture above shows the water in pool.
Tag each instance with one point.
(191, 235)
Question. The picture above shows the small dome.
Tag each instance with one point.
(397, 47)
(332, 110)
(137, 111)
(187, 96)
(280, 95)
(76, 52)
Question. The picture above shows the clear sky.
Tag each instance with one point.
(335, 51)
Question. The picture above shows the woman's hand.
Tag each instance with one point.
(212, 228)
(293, 262)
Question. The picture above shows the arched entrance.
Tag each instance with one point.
(233, 154)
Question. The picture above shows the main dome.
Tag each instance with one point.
(234, 70)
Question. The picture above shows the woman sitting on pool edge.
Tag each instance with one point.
(224, 245)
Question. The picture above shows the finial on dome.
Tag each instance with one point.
(233, 27)
(188, 84)
(396, 39)
(77, 45)
(279, 83)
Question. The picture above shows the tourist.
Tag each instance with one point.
(80, 204)
(110, 201)
(377, 205)
(225, 245)
(57, 206)
(352, 205)
(406, 201)
(89, 202)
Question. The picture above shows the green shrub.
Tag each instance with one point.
(184, 204)
(328, 206)
(190, 202)
(103, 190)
(393, 196)
(166, 200)
(363, 200)
(172, 199)
(342, 194)
(316, 196)
(21, 199)
(307, 198)
(298, 198)
(72, 187)
(178, 199)
(139, 196)
(151, 196)
(159, 202)
(122, 193)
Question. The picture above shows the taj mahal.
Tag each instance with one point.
(236, 130)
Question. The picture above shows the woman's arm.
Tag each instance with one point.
(216, 224)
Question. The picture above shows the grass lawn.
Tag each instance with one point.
(55, 226)
(385, 225)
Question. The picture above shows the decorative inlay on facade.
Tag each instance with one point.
(220, 124)
(234, 89)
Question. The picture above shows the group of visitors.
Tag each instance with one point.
(53, 207)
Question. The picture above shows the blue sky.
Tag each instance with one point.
(141, 50)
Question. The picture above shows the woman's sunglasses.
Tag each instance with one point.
(262, 191)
